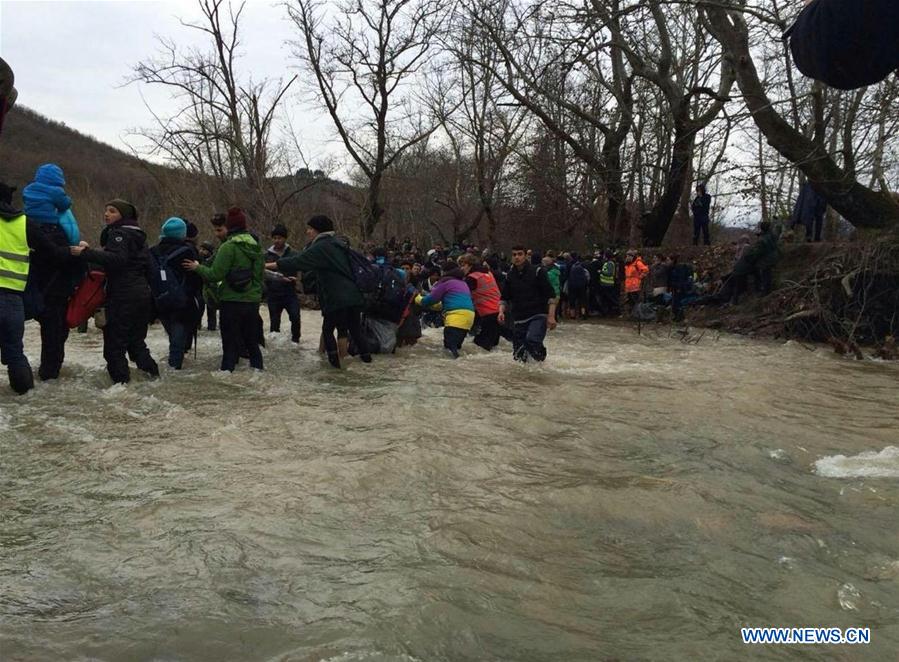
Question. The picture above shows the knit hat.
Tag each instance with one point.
(321, 223)
(6, 192)
(125, 208)
(235, 219)
(279, 231)
(174, 228)
(208, 246)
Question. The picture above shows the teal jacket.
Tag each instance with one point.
(239, 251)
(328, 259)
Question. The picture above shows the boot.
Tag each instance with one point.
(21, 379)
(334, 359)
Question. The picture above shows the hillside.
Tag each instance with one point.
(96, 172)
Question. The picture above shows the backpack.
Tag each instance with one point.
(166, 284)
(366, 274)
(89, 295)
(578, 277)
(388, 301)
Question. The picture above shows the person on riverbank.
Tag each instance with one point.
(19, 236)
(238, 267)
(453, 297)
(281, 290)
(701, 207)
(634, 272)
(124, 256)
(808, 212)
(659, 273)
(339, 296)
(609, 288)
(529, 299)
(486, 296)
(680, 281)
(176, 291)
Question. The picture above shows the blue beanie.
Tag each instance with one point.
(174, 228)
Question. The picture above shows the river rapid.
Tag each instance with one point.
(637, 497)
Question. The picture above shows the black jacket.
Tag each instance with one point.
(126, 260)
(44, 251)
(700, 206)
(55, 274)
(528, 291)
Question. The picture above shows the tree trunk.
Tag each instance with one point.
(372, 210)
(659, 218)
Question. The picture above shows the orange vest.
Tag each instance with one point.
(486, 294)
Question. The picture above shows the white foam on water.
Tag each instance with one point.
(870, 464)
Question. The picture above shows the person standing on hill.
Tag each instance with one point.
(129, 303)
(281, 291)
(238, 266)
(809, 212)
(341, 301)
(701, 208)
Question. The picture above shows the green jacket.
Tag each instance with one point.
(328, 258)
(554, 276)
(239, 251)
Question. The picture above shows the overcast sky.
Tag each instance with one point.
(71, 61)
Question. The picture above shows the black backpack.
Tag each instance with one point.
(366, 275)
(389, 300)
(168, 284)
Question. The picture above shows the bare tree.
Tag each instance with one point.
(859, 204)
(480, 121)
(224, 125)
(365, 58)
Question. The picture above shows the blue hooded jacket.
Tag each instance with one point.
(46, 201)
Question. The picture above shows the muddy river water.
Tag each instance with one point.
(637, 497)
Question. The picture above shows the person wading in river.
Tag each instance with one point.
(485, 295)
(19, 236)
(281, 291)
(454, 296)
(531, 297)
(238, 267)
(339, 296)
(125, 258)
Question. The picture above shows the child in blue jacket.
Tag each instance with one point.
(46, 201)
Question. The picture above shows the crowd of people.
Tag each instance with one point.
(371, 301)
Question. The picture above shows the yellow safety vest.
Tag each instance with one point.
(14, 254)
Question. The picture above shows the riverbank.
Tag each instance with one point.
(843, 294)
